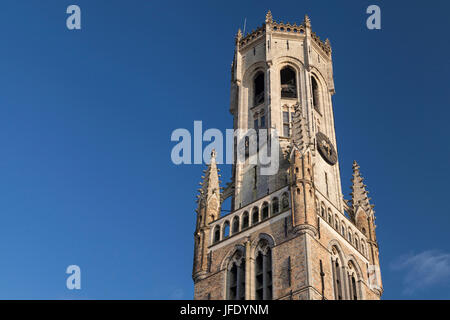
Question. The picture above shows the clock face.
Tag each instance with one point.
(326, 148)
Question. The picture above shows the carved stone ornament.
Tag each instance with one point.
(326, 148)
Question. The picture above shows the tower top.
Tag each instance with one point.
(273, 26)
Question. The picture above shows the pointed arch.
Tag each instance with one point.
(265, 211)
(263, 285)
(216, 234)
(288, 82)
(355, 279)
(255, 215)
(235, 225)
(245, 220)
(258, 88)
(235, 274)
(275, 206)
(226, 229)
(337, 263)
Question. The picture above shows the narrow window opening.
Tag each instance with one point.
(259, 89)
(265, 211)
(288, 83)
(236, 278)
(338, 281)
(286, 126)
(217, 234)
(226, 230)
(315, 94)
(263, 275)
(255, 216)
(275, 206)
(235, 225)
(355, 296)
(245, 220)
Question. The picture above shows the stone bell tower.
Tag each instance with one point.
(290, 235)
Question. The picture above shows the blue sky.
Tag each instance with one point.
(86, 118)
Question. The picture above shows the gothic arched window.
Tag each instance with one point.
(337, 280)
(263, 272)
(236, 277)
(217, 234)
(285, 201)
(275, 206)
(226, 230)
(258, 87)
(235, 228)
(265, 211)
(255, 216)
(352, 282)
(315, 94)
(288, 83)
(245, 220)
(355, 295)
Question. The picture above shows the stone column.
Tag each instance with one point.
(350, 287)
(265, 280)
(248, 271)
(344, 283)
(333, 267)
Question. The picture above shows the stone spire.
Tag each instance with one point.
(208, 210)
(210, 185)
(360, 196)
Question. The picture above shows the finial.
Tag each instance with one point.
(239, 35)
(269, 18)
(327, 42)
(307, 21)
(213, 153)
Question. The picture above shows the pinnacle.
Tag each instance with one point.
(239, 35)
(359, 193)
(269, 18)
(210, 183)
(300, 135)
(307, 21)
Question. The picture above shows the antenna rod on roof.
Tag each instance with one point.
(245, 23)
